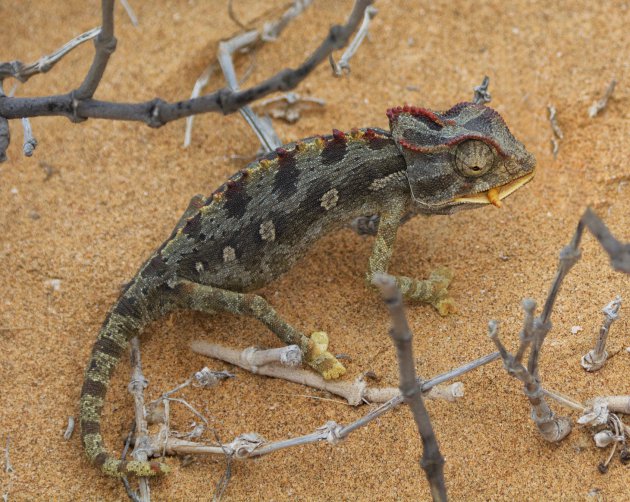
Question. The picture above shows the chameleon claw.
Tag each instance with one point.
(321, 360)
(441, 278)
(445, 306)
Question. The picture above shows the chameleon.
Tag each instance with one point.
(257, 225)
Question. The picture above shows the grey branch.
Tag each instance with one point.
(105, 45)
(432, 461)
(596, 358)
(23, 72)
(69, 429)
(599, 105)
(130, 12)
(30, 143)
(262, 128)
(136, 388)
(481, 94)
(535, 329)
(343, 66)
(8, 468)
(80, 105)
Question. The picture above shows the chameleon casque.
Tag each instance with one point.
(265, 217)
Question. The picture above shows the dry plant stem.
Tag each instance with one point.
(263, 129)
(30, 143)
(551, 427)
(8, 468)
(271, 30)
(69, 429)
(432, 461)
(158, 112)
(599, 105)
(22, 72)
(129, 10)
(105, 45)
(136, 387)
(355, 393)
(535, 330)
(617, 404)
(200, 83)
(343, 66)
(554, 122)
(482, 95)
(596, 358)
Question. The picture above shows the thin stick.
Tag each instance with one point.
(30, 143)
(481, 94)
(22, 72)
(105, 45)
(599, 105)
(263, 130)
(136, 388)
(596, 358)
(69, 429)
(432, 461)
(343, 66)
(8, 468)
(129, 10)
(158, 112)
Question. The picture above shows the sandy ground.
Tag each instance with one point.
(117, 189)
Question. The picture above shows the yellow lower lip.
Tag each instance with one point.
(496, 194)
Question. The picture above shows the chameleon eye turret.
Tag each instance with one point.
(473, 158)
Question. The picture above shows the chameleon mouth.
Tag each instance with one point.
(496, 194)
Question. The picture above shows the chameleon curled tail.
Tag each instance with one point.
(122, 323)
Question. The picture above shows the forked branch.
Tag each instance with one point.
(79, 104)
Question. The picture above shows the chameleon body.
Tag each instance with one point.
(260, 222)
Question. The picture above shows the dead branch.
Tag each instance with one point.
(79, 105)
(355, 392)
(136, 388)
(343, 66)
(432, 461)
(69, 429)
(599, 105)
(535, 330)
(23, 72)
(596, 357)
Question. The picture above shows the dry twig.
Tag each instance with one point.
(557, 132)
(432, 461)
(136, 388)
(69, 429)
(356, 392)
(536, 329)
(343, 66)
(79, 104)
(599, 105)
(596, 358)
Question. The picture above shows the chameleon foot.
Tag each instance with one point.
(440, 279)
(321, 360)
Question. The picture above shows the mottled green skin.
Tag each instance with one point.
(257, 225)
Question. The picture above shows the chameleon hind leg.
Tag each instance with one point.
(434, 290)
(202, 298)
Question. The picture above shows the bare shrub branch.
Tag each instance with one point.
(432, 461)
(79, 105)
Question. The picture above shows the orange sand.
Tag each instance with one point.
(119, 188)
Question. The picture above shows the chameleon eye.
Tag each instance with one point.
(473, 158)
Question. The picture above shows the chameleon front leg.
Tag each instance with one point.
(208, 299)
(433, 290)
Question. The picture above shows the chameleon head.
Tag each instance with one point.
(459, 159)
